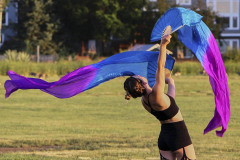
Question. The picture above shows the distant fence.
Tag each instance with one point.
(43, 58)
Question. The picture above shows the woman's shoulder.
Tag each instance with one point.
(160, 102)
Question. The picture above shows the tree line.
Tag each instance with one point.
(62, 26)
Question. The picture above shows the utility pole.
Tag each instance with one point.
(38, 53)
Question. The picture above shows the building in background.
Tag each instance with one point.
(9, 17)
(229, 11)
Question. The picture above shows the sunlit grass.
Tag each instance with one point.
(100, 124)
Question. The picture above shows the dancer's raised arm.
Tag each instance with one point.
(158, 88)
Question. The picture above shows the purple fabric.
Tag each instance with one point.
(67, 86)
(213, 65)
(201, 41)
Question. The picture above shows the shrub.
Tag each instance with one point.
(231, 55)
(232, 67)
(187, 68)
(10, 56)
(14, 56)
(23, 57)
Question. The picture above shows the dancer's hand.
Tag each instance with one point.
(166, 40)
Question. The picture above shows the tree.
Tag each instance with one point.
(40, 27)
(74, 26)
(85, 20)
(103, 20)
(131, 15)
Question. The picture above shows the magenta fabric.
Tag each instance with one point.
(195, 35)
(213, 65)
(201, 41)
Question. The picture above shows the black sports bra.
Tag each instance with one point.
(166, 114)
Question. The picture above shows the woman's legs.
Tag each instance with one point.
(174, 142)
(190, 152)
(166, 155)
(186, 153)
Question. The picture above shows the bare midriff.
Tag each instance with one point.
(178, 117)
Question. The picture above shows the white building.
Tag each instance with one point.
(9, 16)
(229, 11)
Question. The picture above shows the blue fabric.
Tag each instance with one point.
(175, 17)
(130, 63)
(123, 64)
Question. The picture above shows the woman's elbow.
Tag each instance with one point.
(169, 80)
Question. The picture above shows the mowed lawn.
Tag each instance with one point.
(100, 124)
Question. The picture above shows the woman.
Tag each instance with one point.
(174, 141)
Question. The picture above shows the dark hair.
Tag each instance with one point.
(134, 88)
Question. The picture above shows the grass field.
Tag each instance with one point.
(100, 124)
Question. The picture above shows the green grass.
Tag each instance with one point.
(100, 124)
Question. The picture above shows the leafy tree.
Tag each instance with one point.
(74, 18)
(131, 15)
(5, 3)
(84, 20)
(40, 27)
(105, 19)
(37, 25)
(163, 6)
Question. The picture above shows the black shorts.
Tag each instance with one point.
(173, 136)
